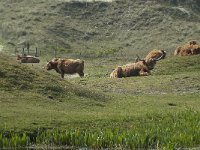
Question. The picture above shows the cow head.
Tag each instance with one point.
(195, 50)
(19, 57)
(50, 65)
(164, 54)
(150, 63)
(192, 42)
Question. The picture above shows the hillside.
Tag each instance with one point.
(173, 75)
(32, 97)
(42, 106)
(87, 29)
(38, 108)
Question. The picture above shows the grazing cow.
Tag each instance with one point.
(66, 66)
(191, 48)
(139, 68)
(27, 59)
(155, 54)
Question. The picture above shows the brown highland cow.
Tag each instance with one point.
(139, 68)
(191, 48)
(27, 59)
(66, 66)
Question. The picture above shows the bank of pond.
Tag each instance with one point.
(171, 131)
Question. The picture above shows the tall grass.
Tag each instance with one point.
(194, 4)
(153, 131)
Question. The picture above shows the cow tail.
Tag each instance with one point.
(81, 69)
(82, 65)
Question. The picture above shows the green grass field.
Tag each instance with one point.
(32, 98)
(40, 110)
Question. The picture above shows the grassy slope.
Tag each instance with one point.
(124, 27)
(171, 75)
(31, 97)
(174, 82)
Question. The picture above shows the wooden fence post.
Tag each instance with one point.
(28, 46)
(15, 51)
(36, 52)
(23, 52)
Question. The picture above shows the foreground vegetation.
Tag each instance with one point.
(158, 111)
(40, 110)
(169, 131)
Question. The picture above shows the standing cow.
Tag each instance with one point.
(66, 66)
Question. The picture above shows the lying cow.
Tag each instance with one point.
(117, 72)
(193, 42)
(66, 66)
(155, 54)
(191, 48)
(27, 59)
(139, 68)
(128, 70)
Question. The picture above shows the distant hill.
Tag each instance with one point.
(89, 28)
(105, 35)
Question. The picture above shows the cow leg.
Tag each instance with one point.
(143, 73)
(62, 74)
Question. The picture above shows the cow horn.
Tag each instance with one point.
(159, 58)
(137, 59)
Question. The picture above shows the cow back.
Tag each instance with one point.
(70, 66)
(28, 59)
(188, 49)
(155, 54)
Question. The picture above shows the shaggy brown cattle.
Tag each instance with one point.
(195, 50)
(188, 49)
(116, 73)
(139, 68)
(193, 42)
(66, 66)
(133, 69)
(27, 59)
(155, 54)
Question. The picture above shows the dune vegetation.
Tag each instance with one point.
(40, 110)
